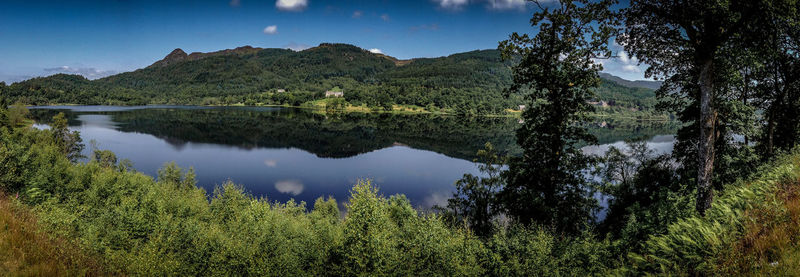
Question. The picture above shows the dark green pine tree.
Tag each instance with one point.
(556, 69)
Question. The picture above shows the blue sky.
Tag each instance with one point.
(99, 38)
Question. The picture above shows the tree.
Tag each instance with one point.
(779, 85)
(70, 142)
(475, 200)
(645, 196)
(17, 115)
(4, 122)
(105, 158)
(556, 70)
(691, 43)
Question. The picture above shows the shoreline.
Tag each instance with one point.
(361, 109)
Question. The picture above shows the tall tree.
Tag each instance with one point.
(779, 85)
(475, 200)
(70, 142)
(690, 42)
(557, 72)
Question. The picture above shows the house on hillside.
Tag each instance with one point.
(521, 107)
(334, 93)
(280, 90)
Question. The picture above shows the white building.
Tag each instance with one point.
(334, 94)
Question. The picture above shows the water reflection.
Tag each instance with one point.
(271, 163)
(291, 153)
(660, 144)
(293, 187)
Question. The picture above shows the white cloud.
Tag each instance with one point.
(357, 14)
(599, 61)
(235, 3)
(623, 57)
(291, 5)
(451, 4)
(499, 5)
(375, 51)
(297, 46)
(271, 163)
(631, 68)
(628, 63)
(293, 187)
(506, 4)
(88, 72)
(436, 199)
(385, 17)
(271, 30)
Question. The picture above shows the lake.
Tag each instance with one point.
(290, 153)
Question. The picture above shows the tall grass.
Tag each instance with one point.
(26, 250)
(706, 245)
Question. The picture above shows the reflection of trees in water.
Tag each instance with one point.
(615, 130)
(344, 135)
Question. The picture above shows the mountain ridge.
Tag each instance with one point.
(654, 85)
(468, 82)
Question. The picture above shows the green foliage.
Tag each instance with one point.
(174, 175)
(106, 158)
(519, 251)
(335, 105)
(14, 162)
(17, 115)
(720, 60)
(691, 245)
(546, 185)
(476, 199)
(70, 142)
(169, 226)
(164, 226)
(468, 83)
(645, 195)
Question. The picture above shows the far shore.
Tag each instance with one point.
(403, 109)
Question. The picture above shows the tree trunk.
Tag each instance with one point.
(773, 114)
(770, 133)
(705, 146)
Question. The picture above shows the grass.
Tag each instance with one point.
(769, 245)
(752, 229)
(320, 105)
(25, 250)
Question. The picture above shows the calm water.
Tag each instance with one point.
(285, 153)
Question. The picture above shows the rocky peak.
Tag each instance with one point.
(175, 56)
(179, 55)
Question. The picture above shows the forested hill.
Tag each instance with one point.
(470, 82)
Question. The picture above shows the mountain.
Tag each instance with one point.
(654, 85)
(471, 82)
(178, 55)
(616, 92)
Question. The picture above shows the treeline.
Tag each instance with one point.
(465, 83)
(346, 134)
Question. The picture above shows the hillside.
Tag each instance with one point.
(653, 85)
(471, 82)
